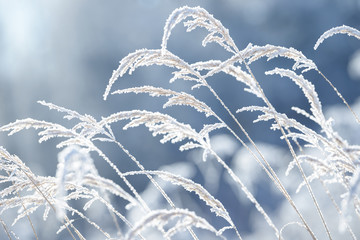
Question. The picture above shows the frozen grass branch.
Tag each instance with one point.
(323, 155)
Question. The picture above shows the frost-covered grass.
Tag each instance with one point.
(318, 199)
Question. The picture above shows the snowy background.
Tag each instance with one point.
(64, 52)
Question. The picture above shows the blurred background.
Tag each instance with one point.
(64, 52)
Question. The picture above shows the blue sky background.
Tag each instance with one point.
(64, 52)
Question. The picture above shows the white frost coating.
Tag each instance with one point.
(201, 18)
(175, 98)
(215, 205)
(146, 57)
(331, 159)
(159, 218)
(254, 52)
(177, 16)
(337, 30)
(309, 91)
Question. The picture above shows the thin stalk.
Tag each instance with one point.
(123, 177)
(53, 208)
(88, 220)
(25, 209)
(337, 208)
(5, 228)
(340, 96)
(28, 217)
(167, 198)
(283, 133)
(292, 151)
(113, 216)
(160, 189)
(273, 176)
(247, 193)
(108, 205)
